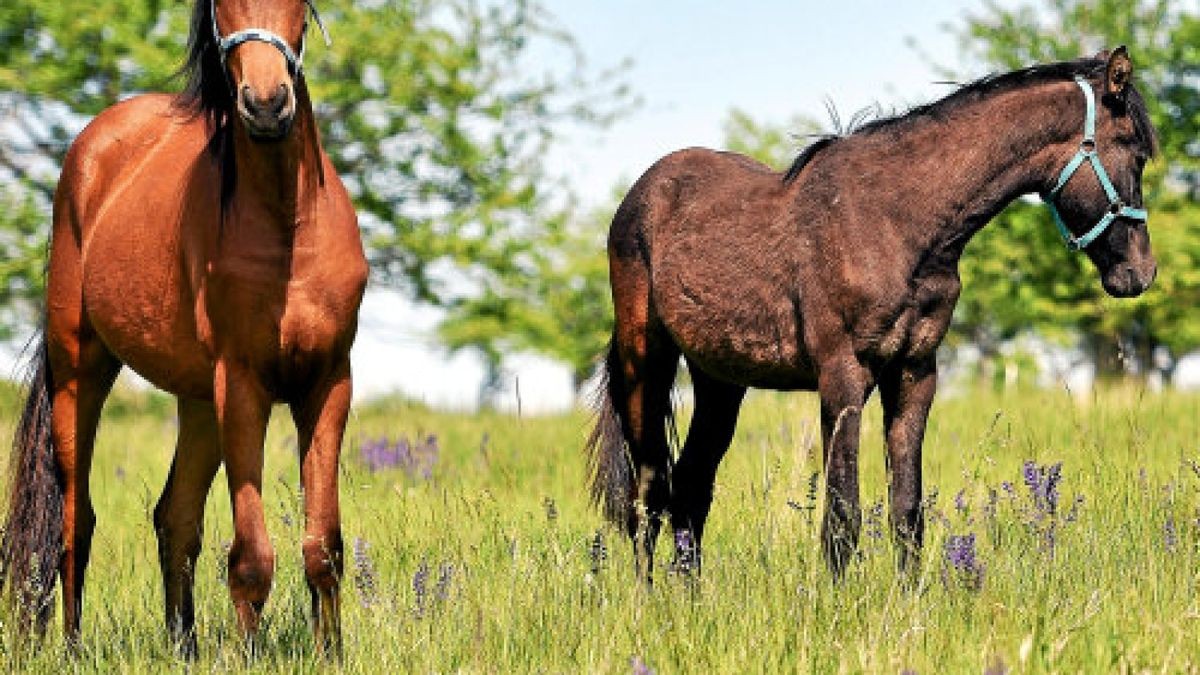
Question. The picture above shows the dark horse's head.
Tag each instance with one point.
(1101, 208)
(245, 59)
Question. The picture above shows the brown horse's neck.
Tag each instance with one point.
(279, 177)
(952, 173)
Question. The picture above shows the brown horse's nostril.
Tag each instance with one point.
(262, 106)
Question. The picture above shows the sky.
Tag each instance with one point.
(692, 62)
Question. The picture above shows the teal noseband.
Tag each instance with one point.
(1087, 151)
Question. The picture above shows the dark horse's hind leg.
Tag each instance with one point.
(844, 385)
(179, 517)
(647, 365)
(907, 393)
(711, 432)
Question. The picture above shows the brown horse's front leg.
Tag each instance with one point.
(179, 518)
(907, 393)
(243, 408)
(320, 423)
(843, 388)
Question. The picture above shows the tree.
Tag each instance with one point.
(1016, 273)
(437, 115)
(561, 308)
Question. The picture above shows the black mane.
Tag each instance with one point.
(206, 89)
(987, 86)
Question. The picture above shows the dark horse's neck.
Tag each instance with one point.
(950, 171)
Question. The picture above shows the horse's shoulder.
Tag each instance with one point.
(132, 122)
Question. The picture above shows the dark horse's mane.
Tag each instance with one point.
(983, 87)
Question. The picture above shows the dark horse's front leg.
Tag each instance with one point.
(844, 386)
(907, 392)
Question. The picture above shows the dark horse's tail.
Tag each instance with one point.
(611, 464)
(32, 540)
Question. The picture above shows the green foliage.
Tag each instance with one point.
(437, 114)
(775, 145)
(505, 522)
(22, 258)
(561, 308)
(1016, 274)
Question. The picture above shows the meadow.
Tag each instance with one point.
(1063, 537)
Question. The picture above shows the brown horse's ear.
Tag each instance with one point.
(1119, 72)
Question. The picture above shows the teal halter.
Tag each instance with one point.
(1087, 151)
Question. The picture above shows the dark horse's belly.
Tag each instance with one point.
(740, 336)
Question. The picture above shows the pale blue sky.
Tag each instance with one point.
(694, 61)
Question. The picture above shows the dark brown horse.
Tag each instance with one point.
(840, 276)
(204, 241)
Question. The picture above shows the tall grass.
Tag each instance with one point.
(493, 562)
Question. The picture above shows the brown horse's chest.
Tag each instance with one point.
(289, 330)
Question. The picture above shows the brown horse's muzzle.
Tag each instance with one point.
(267, 115)
(266, 97)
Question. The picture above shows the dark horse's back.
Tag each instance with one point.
(704, 246)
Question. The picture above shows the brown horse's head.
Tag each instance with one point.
(262, 44)
(1124, 142)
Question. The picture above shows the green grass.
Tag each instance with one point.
(509, 583)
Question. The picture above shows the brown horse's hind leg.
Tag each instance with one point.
(711, 432)
(907, 393)
(83, 371)
(243, 408)
(320, 423)
(179, 517)
(844, 385)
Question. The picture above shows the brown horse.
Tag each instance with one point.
(205, 241)
(841, 275)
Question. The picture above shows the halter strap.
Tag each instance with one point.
(1088, 152)
(295, 61)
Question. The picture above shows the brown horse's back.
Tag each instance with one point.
(695, 227)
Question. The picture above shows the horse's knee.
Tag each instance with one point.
(323, 559)
(251, 571)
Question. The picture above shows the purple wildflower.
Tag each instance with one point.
(960, 501)
(1042, 482)
(961, 563)
(415, 459)
(445, 578)
(598, 552)
(874, 521)
(687, 554)
(638, 667)
(420, 586)
(365, 579)
(1170, 534)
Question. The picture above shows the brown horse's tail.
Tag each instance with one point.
(611, 464)
(32, 540)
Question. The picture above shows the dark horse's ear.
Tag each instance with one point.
(1118, 73)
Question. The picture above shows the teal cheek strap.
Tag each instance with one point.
(1087, 152)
